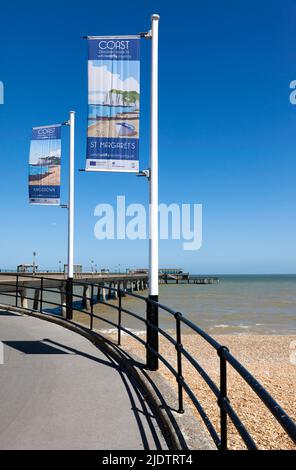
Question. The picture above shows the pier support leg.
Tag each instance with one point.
(110, 293)
(121, 287)
(104, 293)
(36, 299)
(124, 287)
(86, 298)
(99, 294)
(64, 301)
(115, 293)
(24, 300)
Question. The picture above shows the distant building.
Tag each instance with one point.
(160, 271)
(77, 268)
(27, 268)
(49, 160)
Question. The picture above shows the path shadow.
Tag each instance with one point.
(134, 392)
(144, 417)
(164, 405)
(4, 313)
(34, 347)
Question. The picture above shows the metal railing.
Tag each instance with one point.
(44, 285)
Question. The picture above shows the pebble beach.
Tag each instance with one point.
(271, 359)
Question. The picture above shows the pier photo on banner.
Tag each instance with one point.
(45, 165)
(113, 104)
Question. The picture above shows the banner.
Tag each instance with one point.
(113, 104)
(45, 165)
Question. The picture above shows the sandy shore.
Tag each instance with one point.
(266, 357)
(109, 128)
(53, 179)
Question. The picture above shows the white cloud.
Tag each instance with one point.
(100, 78)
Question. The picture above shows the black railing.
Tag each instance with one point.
(44, 285)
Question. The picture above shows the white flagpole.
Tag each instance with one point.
(153, 186)
(153, 197)
(71, 199)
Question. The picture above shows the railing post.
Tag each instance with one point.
(119, 317)
(69, 298)
(16, 290)
(91, 306)
(223, 397)
(41, 296)
(178, 317)
(152, 335)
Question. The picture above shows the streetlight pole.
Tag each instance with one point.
(71, 217)
(152, 309)
(34, 262)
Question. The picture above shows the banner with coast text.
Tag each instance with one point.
(45, 165)
(113, 104)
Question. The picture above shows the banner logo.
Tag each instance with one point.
(113, 104)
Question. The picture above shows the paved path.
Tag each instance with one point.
(58, 391)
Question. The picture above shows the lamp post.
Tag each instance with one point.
(71, 217)
(152, 309)
(34, 262)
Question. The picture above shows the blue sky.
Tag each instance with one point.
(227, 129)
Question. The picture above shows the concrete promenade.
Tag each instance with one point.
(59, 391)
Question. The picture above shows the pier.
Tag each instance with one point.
(100, 286)
(105, 285)
(186, 278)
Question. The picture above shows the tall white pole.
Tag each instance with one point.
(152, 307)
(71, 198)
(153, 185)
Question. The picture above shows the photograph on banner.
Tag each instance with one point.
(45, 165)
(113, 104)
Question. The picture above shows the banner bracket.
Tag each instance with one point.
(147, 35)
(145, 173)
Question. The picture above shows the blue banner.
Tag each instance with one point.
(45, 165)
(113, 104)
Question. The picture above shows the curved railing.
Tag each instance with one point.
(45, 285)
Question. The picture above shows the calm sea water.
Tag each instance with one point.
(95, 110)
(38, 169)
(238, 304)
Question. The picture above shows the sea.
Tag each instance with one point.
(241, 304)
(258, 304)
(96, 110)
